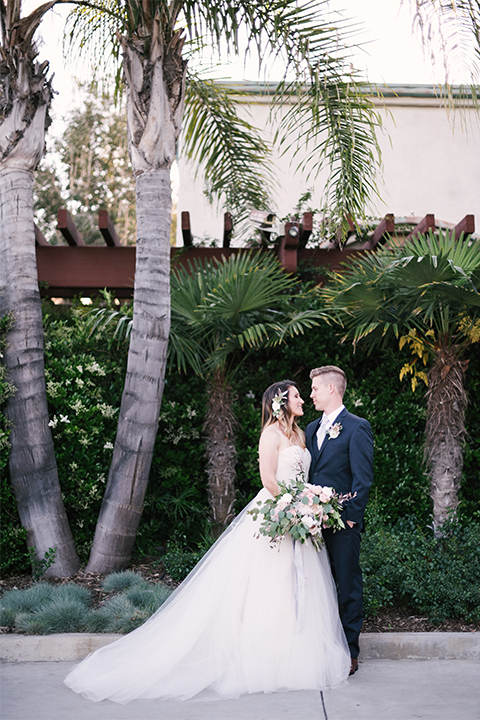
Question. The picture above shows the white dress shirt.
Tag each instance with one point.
(327, 422)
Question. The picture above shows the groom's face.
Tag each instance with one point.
(320, 394)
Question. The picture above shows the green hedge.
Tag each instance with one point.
(438, 578)
(84, 385)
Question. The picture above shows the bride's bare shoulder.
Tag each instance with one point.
(273, 438)
(272, 434)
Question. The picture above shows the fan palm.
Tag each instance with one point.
(425, 295)
(221, 313)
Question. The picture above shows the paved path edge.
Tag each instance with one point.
(373, 646)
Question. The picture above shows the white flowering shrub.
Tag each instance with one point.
(84, 379)
(85, 376)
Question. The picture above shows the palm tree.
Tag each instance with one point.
(336, 117)
(425, 295)
(25, 97)
(221, 313)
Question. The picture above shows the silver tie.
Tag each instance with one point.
(322, 431)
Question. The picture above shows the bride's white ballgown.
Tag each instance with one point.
(249, 618)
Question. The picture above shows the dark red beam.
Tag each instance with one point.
(107, 228)
(428, 223)
(334, 258)
(385, 228)
(227, 229)
(465, 226)
(337, 243)
(40, 238)
(186, 229)
(306, 228)
(68, 228)
(68, 271)
(288, 247)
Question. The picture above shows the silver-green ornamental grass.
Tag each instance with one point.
(45, 608)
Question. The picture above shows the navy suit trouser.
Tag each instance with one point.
(343, 548)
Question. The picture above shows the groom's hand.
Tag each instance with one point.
(350, 523)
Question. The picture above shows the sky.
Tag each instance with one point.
(391, 54)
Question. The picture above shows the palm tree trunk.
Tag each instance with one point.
(142, 395)
(220, 425)
(155, 99)
(445, 433)
(25, 98)
(33, 470)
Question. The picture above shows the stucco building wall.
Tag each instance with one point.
(431, 164)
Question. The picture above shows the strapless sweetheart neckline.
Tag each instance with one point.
(292, 446)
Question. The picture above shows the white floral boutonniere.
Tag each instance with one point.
(334, 431)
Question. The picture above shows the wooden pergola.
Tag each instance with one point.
(79, 269)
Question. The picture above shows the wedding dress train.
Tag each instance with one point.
(249, 618)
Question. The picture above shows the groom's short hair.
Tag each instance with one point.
(333, 374)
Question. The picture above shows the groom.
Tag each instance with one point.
(341, 446)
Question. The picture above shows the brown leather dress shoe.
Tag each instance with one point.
(353, 666)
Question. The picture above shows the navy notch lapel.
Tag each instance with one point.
(316, 451)
(340, 416)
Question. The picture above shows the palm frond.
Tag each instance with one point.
(332, 113)
(452, 28)
(99, 320)
(242, 286)
(334, 119)
(228, 150)
(92, 30)
(227, 310)
(270, 26)
(185, 351)
(263, 334)
(430, 284)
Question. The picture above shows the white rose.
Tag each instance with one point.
(308, 521)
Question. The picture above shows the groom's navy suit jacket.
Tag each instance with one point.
(345, 462)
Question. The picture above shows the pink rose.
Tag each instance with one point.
(334, 431)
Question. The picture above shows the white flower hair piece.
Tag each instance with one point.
(278, 402)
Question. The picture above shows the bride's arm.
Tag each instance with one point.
(268, 448)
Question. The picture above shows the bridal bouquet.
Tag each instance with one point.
(300, 510)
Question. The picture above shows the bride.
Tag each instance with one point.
(249, 618)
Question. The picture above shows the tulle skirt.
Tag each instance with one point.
(249, 618)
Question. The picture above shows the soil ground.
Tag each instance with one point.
(389, 619)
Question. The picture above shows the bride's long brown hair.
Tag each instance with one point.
(285, 417)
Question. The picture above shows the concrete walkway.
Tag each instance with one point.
(382, 689)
